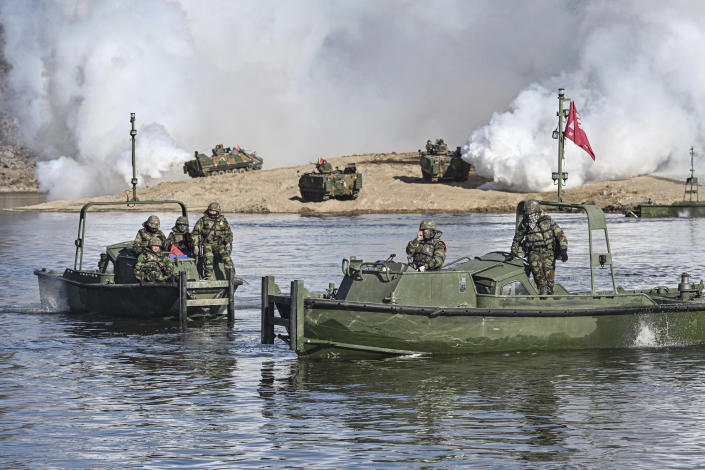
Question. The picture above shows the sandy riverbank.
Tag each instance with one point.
(392, 183)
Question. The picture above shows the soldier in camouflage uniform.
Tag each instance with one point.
(180, 237)
(153, 265)
(213, 238)
(429, 147)
(427, 252)
(541, 239)
(323, 166)
(150, 229)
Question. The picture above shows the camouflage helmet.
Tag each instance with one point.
(531, 206)
(152, 222)
(214, 206)
(181, 220)
(427, 224)
(155, 241)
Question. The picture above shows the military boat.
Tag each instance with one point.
(472, 305)
(113, 289)
(690, 206)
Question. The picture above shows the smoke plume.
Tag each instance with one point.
(299, 80)
(637, 84)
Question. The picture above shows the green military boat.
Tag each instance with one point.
(473, 305)
(113, 289)
(690, 206)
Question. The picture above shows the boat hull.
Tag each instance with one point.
(328, 328)
(684, 210)
(148, 300)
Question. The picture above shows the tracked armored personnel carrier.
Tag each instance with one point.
(224, 160)
(326, 183)
(439, 164)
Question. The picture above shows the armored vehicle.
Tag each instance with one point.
(224, 160)
(326, 183)
(486, 303)
(113, 289)
(690, 206)
(439, 164)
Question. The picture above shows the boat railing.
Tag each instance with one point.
(80, 240)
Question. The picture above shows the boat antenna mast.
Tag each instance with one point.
(691, 184)
(133, 133)
(559, 177)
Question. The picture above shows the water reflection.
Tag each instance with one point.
(20, 198)
(89, 391)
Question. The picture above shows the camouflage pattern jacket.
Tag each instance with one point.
(143, 237)
(182, 241)
(212, 231)
(427, 253)
(545, 237)
(154, 267)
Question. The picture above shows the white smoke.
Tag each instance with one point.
(638, 88)
(292, 80)
(299, 80)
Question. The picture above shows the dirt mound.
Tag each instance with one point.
(392, 183)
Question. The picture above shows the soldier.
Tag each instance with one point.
(541, 238)
(213, 238)
(429, 147)
(323, 166)
(180, 237)
(427, 252)
(153, 265)
(144, 235)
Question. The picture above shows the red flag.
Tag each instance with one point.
(176, 251)
(238, 148)
(574, 131)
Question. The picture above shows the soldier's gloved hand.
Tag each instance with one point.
(422, 268)
(228, 248)
(564, 255)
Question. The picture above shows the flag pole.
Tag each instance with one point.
(560, 176)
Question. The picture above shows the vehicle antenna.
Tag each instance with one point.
(691, 184)
(560, 176)
(133, 133)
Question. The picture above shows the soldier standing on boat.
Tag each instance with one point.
(213, 239)
(153, 265)
(427, 252)
(150, 229)
(541, 239)
(180, 237)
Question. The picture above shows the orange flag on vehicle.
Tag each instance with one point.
(574, 131)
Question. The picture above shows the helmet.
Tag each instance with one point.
(214, 206)
(181, 220)
(427, 224)
(155, 241)
(531, 206)
(152, 222)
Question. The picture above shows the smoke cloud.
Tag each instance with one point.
(299, 80)
(292, 80)
(637, 84)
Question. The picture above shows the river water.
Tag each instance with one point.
(90, 392)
